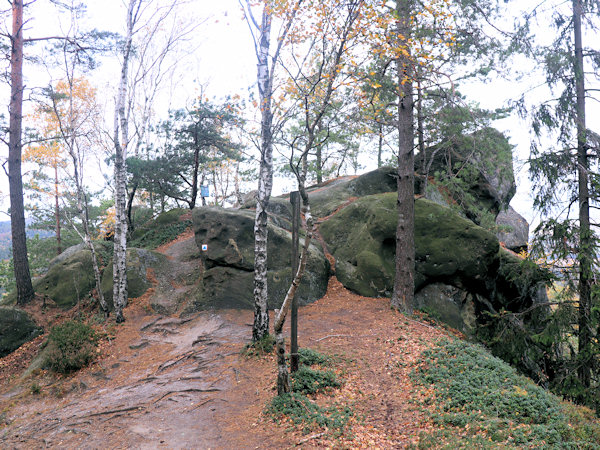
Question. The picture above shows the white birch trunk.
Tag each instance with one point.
(265, 183)
(120, 175)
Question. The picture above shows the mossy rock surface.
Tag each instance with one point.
(229, 261)
(453, 306)
(451, 248)
(16, 328)
(448, 247)
(138, 263)
(68, 280)
(162, 220)
(325, 199)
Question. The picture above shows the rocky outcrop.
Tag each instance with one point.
(69, 279)
(513, 230)
(226, 239)
(16, 328)
(139, 262)
(462, 273)
(481, 164)
(449, 249)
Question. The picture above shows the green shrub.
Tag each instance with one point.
(35, 388)
(309, 381)
(479, 396)
(261, 347)
(159, 234)
(310, 357)
(71, 346)
(301, 411)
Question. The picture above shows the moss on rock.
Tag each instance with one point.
(138, 263)
(16, 328)
(448, 247)
(69, 280)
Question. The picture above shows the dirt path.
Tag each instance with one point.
(168, 382)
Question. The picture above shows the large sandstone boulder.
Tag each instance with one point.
(449, 248)
(69, 279)
(16, 328)
(481, 164)
(513, 230)
(139, 261)
(229, 261)
(461, 273)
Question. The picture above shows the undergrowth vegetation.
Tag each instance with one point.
(159, 234)
(299, 406)
(71, 346)
(260, 348)
(481, 402)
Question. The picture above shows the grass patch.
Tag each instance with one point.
(159, 234)
(71, 346)
(259, 348)
(298, 408)
(303, 412)
(482, 402)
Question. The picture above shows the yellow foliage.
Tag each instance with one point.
(107, 226)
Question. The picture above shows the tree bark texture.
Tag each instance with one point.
(57, 212)
(120, 174)
(265, 182)
(586, 250)
(25, 290)
(404, 285)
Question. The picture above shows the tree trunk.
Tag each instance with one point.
(130, 199)
(265, 183)
(57, 212)
(194, 192)
(319, 151)
(90, 244)
(380, 146)
(586, 251)
(25, 291)
(404, 286)
(120, 175)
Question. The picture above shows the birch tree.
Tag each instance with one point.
(141, 65)
(266, 69)
(121, 141)
(74, 114)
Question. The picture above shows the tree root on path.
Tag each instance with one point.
(166, 394)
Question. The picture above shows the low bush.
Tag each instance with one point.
(310, 381)
(310, 357)
(481, 399)
(71, 346)
(261, 347)
(300, 410)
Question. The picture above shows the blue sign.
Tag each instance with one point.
(204, 191)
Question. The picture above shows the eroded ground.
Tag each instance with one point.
(163, 381)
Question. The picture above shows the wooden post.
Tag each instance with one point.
(295, 201)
